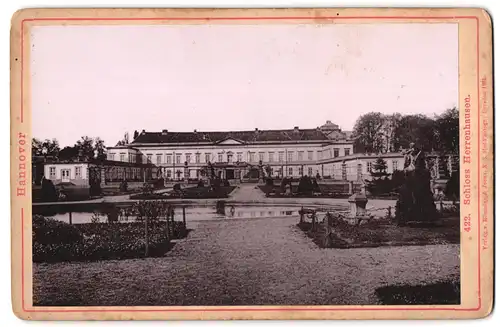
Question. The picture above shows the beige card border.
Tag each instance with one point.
(476, 145)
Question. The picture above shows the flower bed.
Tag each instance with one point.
(275, 191)
(382, 232)
(55, 241)
(197, 192)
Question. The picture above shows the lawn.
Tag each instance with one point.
(384, 233)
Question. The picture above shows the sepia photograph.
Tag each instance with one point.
(246, 164)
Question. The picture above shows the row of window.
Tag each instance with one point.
(280, 156)
(290, 170)
(333, 153)
(66, 172)
(369, 166)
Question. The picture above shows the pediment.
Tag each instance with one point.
(230, 141)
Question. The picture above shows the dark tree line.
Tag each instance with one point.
(86, 148)
(375, 132)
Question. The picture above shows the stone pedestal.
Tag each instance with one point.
(351, 187)
(357, 206)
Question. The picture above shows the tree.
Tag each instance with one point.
(380, 182)
(68, 153)
(36, 147)
(85, 148)
(46, 148)
(388, 130)
(417, 129)
(367, 133)
(100, 149)
(447, 131)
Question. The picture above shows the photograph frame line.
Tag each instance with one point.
(264, 18)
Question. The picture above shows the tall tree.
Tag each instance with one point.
(368, 134)
(47, 147)
(36, 147)
(68, 153)
(85, 147)
(100, 149)
(448, 131)
(380, 182)
(389, 127)
(418, 129)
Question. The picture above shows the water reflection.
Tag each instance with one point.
(193, 213)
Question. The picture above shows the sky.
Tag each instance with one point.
(103, 81)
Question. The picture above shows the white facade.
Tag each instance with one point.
(76, 173)
(291, 157)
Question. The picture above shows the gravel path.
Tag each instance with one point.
(245, 262)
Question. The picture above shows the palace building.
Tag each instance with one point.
(325, 151)
(232, 154)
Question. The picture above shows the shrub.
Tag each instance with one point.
(123, 186)
(269, 181)
(51, 231)
(305, 186)
(226, 183)
(177, 187)
(147, 189)
(200, 184)
(49, 192)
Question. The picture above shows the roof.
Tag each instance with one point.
(103, 163)
(242, 136)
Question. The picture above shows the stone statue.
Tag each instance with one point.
(415, 202)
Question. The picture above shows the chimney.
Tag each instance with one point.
(195, 131)
(296, 129)
(256, 130)
(143, 131)
(164, 132)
